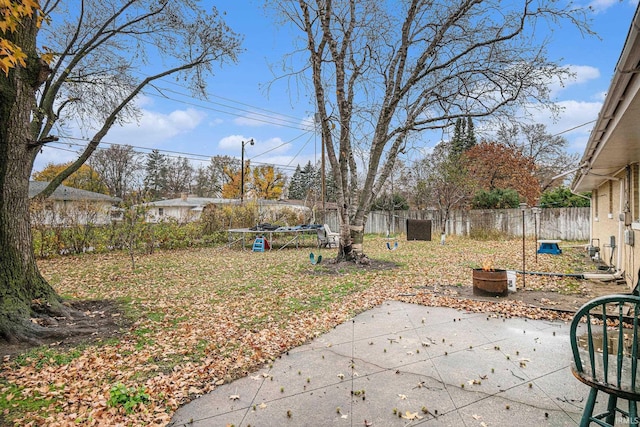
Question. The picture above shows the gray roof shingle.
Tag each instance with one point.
(69, 193)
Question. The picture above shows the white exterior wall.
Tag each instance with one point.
(71, 212)
(179, 213)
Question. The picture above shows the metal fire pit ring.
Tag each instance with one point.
(490, 282)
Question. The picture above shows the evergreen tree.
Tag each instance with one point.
(304, 181)
(155, 181)
(309, 178)
(562, 196)
(463, 136)
(296, 189)
(470, 137)
(458, 143)
(496, 198)
(331, 189)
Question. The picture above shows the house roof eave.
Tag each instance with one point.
(613, 142)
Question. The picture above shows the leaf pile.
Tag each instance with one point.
(203, 317)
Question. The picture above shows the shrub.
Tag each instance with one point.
(496, 199)
(220, 218)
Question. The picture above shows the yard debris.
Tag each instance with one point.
(411, 416)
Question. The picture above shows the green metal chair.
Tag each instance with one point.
(606, 356)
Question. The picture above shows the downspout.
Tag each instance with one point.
(604, 277)
(620, 223)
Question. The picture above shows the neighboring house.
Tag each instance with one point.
(187, 208)
(183, 209)
(72, 206)
(610, 165)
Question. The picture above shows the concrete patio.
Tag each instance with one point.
(401, 364)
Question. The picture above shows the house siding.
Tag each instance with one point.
(609, 228)
(70, 206)
(181, 214)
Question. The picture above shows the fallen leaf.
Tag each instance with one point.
(476, 417)
(262, 405)
(402, 396)
(234, 397)
(411, 416)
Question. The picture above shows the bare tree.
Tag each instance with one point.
(118, 167)
(101, 52)
(435, 61)
(548, 152)
(448, 185)
(179, 176)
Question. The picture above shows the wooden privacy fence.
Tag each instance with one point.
(552, 223)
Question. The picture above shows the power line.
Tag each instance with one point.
(169, 153)
(282, 145)
(271, 117)
(253, 115)
(270, 112)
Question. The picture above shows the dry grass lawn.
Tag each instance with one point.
(200, 317)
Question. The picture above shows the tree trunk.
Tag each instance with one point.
(23, 290)
(352, 240)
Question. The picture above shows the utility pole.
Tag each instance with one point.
(242, 170)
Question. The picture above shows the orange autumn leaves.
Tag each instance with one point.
(12, 13)
(496, 166)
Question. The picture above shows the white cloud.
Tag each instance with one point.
(273, 145)
(232, 142)
(144, 101)
(581, 74)
(154, 127)
(215, 122)
(601, 5)
(260, 150)
(584, 73)
(54, 155)
(575, 122)
(600, 96)
(151, 130)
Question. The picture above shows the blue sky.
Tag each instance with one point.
(241, 108)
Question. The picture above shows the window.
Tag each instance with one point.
(116, 215)
(160, 211)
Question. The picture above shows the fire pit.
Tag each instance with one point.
(490, 282)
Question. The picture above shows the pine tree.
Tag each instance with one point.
(458, 143)
(296, 190)
(308, 175)
(155, 181)
(470, 136)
